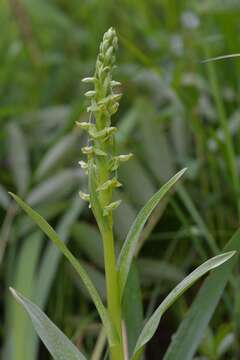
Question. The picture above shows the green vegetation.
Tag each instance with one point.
(177, 111)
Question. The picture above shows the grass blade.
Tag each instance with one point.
(132, 308)
(19, 158)
(24, 339)
(59, 346)
(51, 257)
(222, 57)
(48, 230)
(128, 249)
(4, 198)
(152, 324)
(56, 154)
(189, 335)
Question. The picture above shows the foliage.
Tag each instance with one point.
(176, 112)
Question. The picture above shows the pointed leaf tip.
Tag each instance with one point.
(151, 326)
(57, 343)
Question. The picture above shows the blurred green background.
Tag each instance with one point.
(176, 111)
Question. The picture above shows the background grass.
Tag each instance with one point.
(176, 111)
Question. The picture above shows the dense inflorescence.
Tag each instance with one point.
(104, 102)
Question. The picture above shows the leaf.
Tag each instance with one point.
(18, 157)
(132, 307)
(222, 57)
(48, 230)
(59, 346)
(152, 324)
(51, 257)
(4, 198)
(56, 154)
(54, 187)
(155, 147)
(24, 339)
(129, 246)
(189, 335)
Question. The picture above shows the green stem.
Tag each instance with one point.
(113, 298)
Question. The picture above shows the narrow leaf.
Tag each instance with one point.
(222, 57)
(59, 346)
(49, 263)
(130, 244)
(4, 198)
(189, 334)
(18, 157)
(56, 154)
(55, 187)
(152, 324)
(24, 339)
(48, 230)
(132, 308)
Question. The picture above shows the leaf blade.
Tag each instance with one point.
(59, 346)
(127, 251)
(48, 230)
(189, 334)
(19, 157)
(152, 324)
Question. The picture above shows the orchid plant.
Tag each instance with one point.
(100, 165)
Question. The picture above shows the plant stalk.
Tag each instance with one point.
(113, 296)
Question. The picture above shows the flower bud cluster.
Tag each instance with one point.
(104, 102)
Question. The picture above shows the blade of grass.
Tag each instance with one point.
(132, 308)
(51, 257)
(56, 154)
(189, 334)
(152, 324)
(18, 157)
(229, 151)
(24, 339)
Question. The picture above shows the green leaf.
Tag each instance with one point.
(48, 230)
(59, 346)
(132, 307)
(18, 157)
(130, 244)
(24, 339)
(152, 324)
(56, 154)
(49, 262)
(55, 187)
(189, 335)
(4, 198)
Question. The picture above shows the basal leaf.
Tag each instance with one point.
(48, 230)
(59, 346)
(129, 246)
(152, 324)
